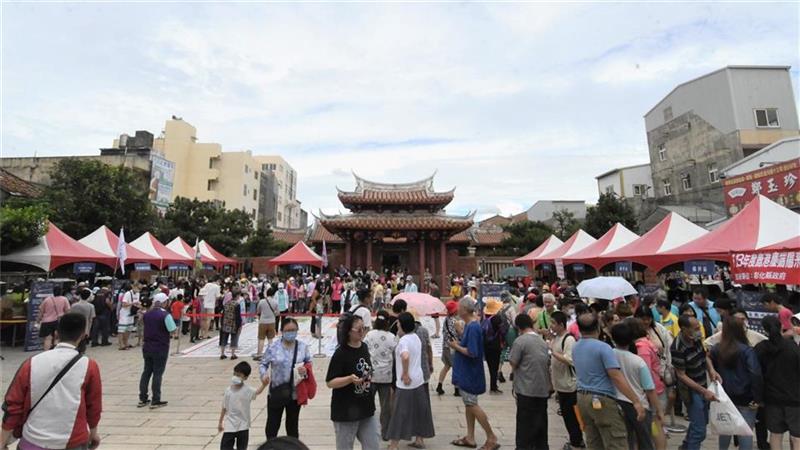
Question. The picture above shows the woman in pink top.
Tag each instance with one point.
(51, 309)
(649, 353)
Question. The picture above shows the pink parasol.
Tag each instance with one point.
(423, 304)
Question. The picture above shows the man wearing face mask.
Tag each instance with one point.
(284, 363)
(693, 367)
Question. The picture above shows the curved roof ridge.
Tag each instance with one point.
(364, 184)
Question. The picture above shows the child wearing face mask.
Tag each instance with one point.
(234, 419)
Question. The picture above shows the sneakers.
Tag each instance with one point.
(142, 404)
(156, 405)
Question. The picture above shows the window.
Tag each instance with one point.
(254, 213)
(667, 113)
(662, 152)
(255, 174)
(767, 118)
(713, 176)
(255, 194)
(245, 190)
(686, 181)
(279, 216)
(639, 190)
(610, 189)
(210, 185)
(246, 169)
(210, 163)
(667, 186)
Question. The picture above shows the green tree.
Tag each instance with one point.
(262, 243)
(609, 210)
(84, 195)
(524, 237)
(21, 226)
(565, 223)
(191, 219)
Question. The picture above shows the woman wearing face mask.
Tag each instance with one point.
(286, 360)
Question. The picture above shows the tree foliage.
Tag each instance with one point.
(262, 243)
(21, 226)
(85, 194)
(525, 236)
(609, 210)
(230, 232)
(565, 223)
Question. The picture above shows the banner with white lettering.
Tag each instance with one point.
(780, 267)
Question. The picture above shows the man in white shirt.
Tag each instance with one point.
(410, 285)
(361, 309)
(211, 293)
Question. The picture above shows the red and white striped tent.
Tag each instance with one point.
(615, 238)
(149, 245)
(547, 246)
(181, 247)
(760, 224)
(673, 231)
(220, 259)
(104, 241)
(577, 242)
(298, 254)
(55, 249)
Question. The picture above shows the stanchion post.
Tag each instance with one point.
(177, 346)
(319, 353)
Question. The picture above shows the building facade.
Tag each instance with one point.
(711, 122)
(542, 210)
(627, 182)
(287, 212)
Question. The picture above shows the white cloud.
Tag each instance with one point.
(510, 102)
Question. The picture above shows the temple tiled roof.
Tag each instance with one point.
(491, 238)
(17, 187)
(401, 221)
(319, 233)
(398, 197)
(289, 236)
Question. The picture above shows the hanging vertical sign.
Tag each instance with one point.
(40, 290)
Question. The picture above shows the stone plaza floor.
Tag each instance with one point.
(193, 386)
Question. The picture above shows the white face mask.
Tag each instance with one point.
(236, 380)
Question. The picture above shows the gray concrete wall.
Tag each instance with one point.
(37, 170)
(759, 88)
(708, 96)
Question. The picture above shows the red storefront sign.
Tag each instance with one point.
(778, 182)
(781, 267)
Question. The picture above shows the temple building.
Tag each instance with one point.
(401, 226)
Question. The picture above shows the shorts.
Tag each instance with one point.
(447, 356)
(780, 419)
(48, 329)
(208, 311)
(125, 328)
(266, 331)
(469, 399)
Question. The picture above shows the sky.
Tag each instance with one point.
(510, 103)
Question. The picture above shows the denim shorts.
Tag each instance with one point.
(469, 399)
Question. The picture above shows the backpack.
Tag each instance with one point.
(491, 336)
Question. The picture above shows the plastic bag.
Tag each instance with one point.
(725, 417)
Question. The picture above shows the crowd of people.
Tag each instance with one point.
(616, 367)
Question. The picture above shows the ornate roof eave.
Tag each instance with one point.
(362, 184)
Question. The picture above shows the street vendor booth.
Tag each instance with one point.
(547, 246)
(615, 238)
(55, 249)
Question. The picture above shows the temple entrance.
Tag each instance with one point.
(394, 259)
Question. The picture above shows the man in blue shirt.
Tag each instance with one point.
(704, 310)
(598, 372)
(468, 375)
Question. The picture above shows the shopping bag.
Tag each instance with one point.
(725, 417)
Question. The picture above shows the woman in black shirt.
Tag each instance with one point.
(349, 376)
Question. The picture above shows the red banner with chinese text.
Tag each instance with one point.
(779, 182)
(781, 267)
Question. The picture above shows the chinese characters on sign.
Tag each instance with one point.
(779, 182)
(700, 268)
(766, 267)
(623, 267)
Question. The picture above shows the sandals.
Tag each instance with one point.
(494, 446)
(463, 442)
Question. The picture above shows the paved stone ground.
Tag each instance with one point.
(194, 386)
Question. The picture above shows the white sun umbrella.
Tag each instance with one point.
(607, 288)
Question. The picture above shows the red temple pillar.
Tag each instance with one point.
(369, 254)
(420, 280)
(347, 255)
(443, 256)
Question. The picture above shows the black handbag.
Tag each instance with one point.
(283, 394)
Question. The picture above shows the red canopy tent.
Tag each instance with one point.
(55, 249)
(617, 237)
(104, 241)
(760, 224)
(671, 232)
(547, 246)
(221, 260)
(149, 245)
(577, 242)
(298, 254)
